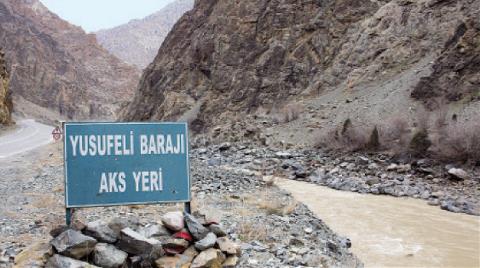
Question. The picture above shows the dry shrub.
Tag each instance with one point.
(374, 140)
(395, 131)
(458, 142)
(276, 207)
(288, 113)
(349, 137)
(420, 143)
(248, 231)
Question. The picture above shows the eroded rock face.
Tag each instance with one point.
(228, 58)
(6, 104)
(63, 68)
(456, 72)
(137, 42)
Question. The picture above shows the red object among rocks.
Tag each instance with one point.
(184, 235)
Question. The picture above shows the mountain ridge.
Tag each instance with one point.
(245, 60)
(137, 41)
(56, 65)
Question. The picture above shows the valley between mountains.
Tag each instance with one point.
(321, 133)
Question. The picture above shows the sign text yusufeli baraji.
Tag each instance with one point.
(126, 163)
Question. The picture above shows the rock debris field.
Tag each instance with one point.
(244, 220)
(234, 198)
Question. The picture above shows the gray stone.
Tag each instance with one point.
(100, 231)
(173, 221)
(350, 166)
(361, 160)
(118, 224)
(373, 166)
(59, 261)
(108, 256)
(392, 167)
(227, 246)
(136, 244)
(459, 173)
(372, 181)
(207, 242)
(224, 146)
(197, 230)
(404, 168)
(217, 230)
(153, 231)
(73, 244)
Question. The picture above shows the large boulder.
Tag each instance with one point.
(118, 224)
(458, 173)
(197, 230)
(217, 229)
(178, 261)
(154, 231)
(73, 244)
(227, 246)
(207, 242)
(108, 256)
(136, 244)
(173, 221)
(59, 261)
(209, 258)
(100, 231)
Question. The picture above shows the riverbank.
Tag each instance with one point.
(373, 174)
(393, 232)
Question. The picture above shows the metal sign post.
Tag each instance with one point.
(110, 164)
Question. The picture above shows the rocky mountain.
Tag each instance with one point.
(6, 105)
(367, 60)
(137, 42)
(57, 66)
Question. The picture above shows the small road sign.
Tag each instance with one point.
(109, 164)
(57, 134)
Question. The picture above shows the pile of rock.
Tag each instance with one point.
(181, 240)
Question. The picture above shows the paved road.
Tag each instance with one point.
(28, 136)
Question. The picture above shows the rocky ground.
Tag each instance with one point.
(449, 187)
(270, 227)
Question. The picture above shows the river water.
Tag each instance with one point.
(394, 232)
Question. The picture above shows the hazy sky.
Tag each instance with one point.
(93, 15)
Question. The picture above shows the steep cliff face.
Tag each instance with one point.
(6, 105)
(227, 58)
(55, 65)
(456, 72)
(137, 42)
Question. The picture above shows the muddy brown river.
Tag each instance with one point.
(394, 232)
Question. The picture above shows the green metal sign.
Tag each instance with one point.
(109, 164)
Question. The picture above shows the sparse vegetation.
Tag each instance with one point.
(458, 142)
(441, 139)
(374, 142)
(349, 137)
(420, 143)
(288, 113)
(247, 231)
